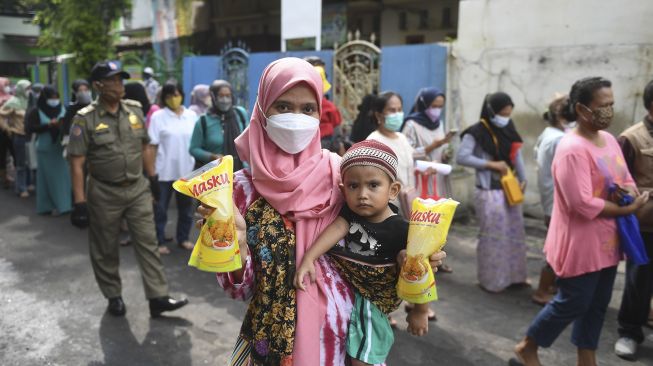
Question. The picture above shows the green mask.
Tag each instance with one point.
(394, 121)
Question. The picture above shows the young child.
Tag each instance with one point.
(374, 234)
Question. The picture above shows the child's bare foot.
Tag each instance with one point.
(526, 352)
(432, 317)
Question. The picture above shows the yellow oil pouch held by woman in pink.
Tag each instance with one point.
(427, 234)
(216, 249)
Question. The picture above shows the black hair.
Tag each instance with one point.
(365, 122)
(170, 88)
(382, 99)
(136, 91)
(648, 95)
(583, 92)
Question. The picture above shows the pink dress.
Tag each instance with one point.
(339, 295)
(580, 241)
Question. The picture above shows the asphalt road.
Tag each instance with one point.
(52, 313)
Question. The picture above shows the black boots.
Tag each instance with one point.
(166, 303)
(157, 305)
(116, 306)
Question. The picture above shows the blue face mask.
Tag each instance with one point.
(394, 121)
(52, 102)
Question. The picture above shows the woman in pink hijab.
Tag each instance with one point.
(287, 196)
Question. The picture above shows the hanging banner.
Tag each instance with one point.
(334, 25)
(301, 19)
(164, 31)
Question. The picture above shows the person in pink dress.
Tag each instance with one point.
(582, 245)
(288, 195)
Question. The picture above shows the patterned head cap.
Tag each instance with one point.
(370, 153)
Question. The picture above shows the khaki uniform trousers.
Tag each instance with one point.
(107, 205)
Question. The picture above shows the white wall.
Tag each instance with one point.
(534, 48)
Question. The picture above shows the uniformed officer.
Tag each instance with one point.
(109, 136)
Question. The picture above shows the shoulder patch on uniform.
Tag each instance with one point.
(86, 110)
(133, 103)
(75, 131)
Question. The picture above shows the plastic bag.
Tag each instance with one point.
(216, 249)
(632, 244)
(429, 225)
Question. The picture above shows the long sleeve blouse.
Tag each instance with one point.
(472, 155)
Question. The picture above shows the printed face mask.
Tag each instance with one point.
(223, 104)
(433, 113)
(394, 121)
(601, 117)
(291, 132)
(500, 121)
(52, 102)
(173, 102)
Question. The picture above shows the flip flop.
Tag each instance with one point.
(187, 245)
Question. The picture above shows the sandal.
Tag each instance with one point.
(432, 317)
(164, 249)
(187, 245)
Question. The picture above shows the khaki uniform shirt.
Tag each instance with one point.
(112, 143)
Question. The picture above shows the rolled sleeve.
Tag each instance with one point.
(573, 178)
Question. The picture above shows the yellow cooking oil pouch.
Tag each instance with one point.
(427, 234)
(216, 249)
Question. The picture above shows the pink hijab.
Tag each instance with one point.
(4, 96)
(303, 187)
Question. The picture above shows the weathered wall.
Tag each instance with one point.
(532, 49)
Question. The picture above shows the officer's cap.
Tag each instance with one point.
(106, 69)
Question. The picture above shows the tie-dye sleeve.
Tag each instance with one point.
(244, 195)
(238, 291)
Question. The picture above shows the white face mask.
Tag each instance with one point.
(500, 121)
(291, 132)
(7, 89)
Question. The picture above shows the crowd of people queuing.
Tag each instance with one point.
(305, 181)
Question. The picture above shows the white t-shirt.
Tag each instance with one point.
(404, 151)
(545, 148)
(172, 134)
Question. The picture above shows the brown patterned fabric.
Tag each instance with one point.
(371, 282)
(269, 324)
